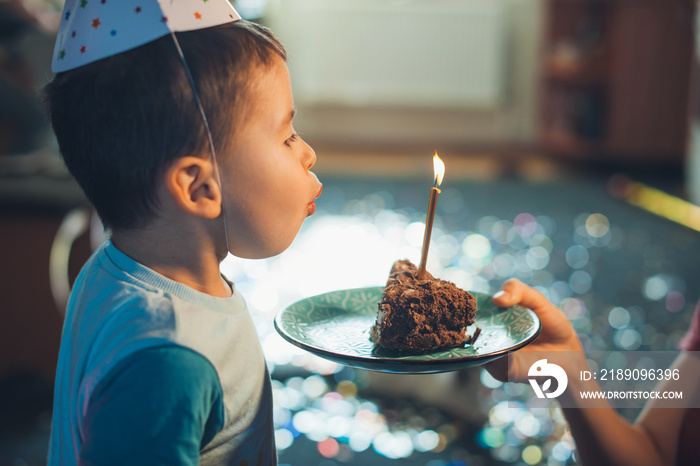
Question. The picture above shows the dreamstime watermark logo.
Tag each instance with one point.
(542, 368)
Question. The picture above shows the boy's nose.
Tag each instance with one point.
(308, 157)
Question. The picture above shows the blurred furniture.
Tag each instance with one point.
(76, 224)
(692, 166)
(32, 213)
(616, 80)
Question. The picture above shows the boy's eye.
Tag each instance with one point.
(292, 138)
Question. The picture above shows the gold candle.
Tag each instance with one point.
(439, 171)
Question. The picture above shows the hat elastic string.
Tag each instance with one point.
(203, 115)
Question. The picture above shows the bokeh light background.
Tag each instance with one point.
(626, 279)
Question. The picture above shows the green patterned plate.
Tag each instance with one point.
(336, 326)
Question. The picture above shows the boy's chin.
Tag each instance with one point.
(261, 251)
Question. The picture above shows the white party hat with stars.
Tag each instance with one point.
(94, 29)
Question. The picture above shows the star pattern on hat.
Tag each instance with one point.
(108, 27)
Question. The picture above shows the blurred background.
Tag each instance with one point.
(569, 130)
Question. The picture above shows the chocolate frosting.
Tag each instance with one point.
(421, 315)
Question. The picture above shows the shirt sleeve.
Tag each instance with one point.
(691, 340)
(159, 405)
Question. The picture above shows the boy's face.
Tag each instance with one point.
(268, 189)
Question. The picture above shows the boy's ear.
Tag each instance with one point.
(192, 183)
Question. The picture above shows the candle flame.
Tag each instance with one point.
(439, 168)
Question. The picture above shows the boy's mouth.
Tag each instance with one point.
(311, 208)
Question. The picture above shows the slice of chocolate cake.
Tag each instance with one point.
(422, 315)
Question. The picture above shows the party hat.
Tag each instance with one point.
(94, 29)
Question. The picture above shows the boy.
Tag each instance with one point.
(159, 360)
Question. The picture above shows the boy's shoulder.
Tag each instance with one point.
(109, 286)
(119, 306)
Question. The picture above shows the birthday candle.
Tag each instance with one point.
(439, 172)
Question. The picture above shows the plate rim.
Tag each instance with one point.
(363, 362)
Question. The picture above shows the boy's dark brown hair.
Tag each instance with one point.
(121, 121)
